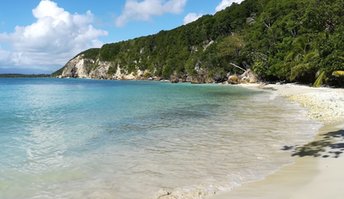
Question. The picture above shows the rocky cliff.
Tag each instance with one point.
(81, 67)
(278, 40)
(198, 52)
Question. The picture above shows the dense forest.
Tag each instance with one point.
(286, 40)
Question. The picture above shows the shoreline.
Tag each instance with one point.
(323, 104)
(316, 172)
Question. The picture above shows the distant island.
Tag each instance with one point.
(12, 75)
(279, 41)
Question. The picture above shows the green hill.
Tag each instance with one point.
(286, 40)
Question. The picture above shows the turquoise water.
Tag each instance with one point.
(67, 138)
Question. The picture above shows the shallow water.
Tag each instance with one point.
(131, 139)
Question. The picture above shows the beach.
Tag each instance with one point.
(81, 138)
(178, 141)
(317, 171)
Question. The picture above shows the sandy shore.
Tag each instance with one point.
(317, 172)
(323, 104)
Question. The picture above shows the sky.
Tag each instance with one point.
(40, 36)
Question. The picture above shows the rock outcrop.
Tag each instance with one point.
(233, 79)
(76, 68)
(81, 67)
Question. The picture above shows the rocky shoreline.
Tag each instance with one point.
(80, 67)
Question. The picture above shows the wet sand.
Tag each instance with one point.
(317, 172)
(309, 177)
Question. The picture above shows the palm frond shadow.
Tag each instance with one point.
(331, 145)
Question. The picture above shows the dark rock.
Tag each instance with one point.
(174, 79)
(219, 78)
(157, 78)
(200, 79)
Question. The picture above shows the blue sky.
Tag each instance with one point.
(40, 36)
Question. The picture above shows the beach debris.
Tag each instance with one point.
(338, 73)
(247, 77)
(320, 79)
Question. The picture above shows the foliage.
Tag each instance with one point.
(289, 40)
(320, 80)
(299, 38)
(91, 53)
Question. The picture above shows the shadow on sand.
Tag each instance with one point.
(331, 145)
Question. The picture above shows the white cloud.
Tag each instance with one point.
(144, 10)
(51, 40)
(191, 17)
(226, 3)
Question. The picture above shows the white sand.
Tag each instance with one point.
(324, 104)
(309, 177)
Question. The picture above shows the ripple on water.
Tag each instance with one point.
(108, 139)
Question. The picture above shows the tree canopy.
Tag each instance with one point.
(289, 40)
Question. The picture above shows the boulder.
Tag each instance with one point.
(219, 78)
(184, 78)
(174, 79)
(200, 79)
(233, 79)
(157, 78)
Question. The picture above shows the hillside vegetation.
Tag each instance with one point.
(286, 40)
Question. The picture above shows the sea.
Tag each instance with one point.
(80, 138)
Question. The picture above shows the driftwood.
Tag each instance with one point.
(246, 77)
(236, 66)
